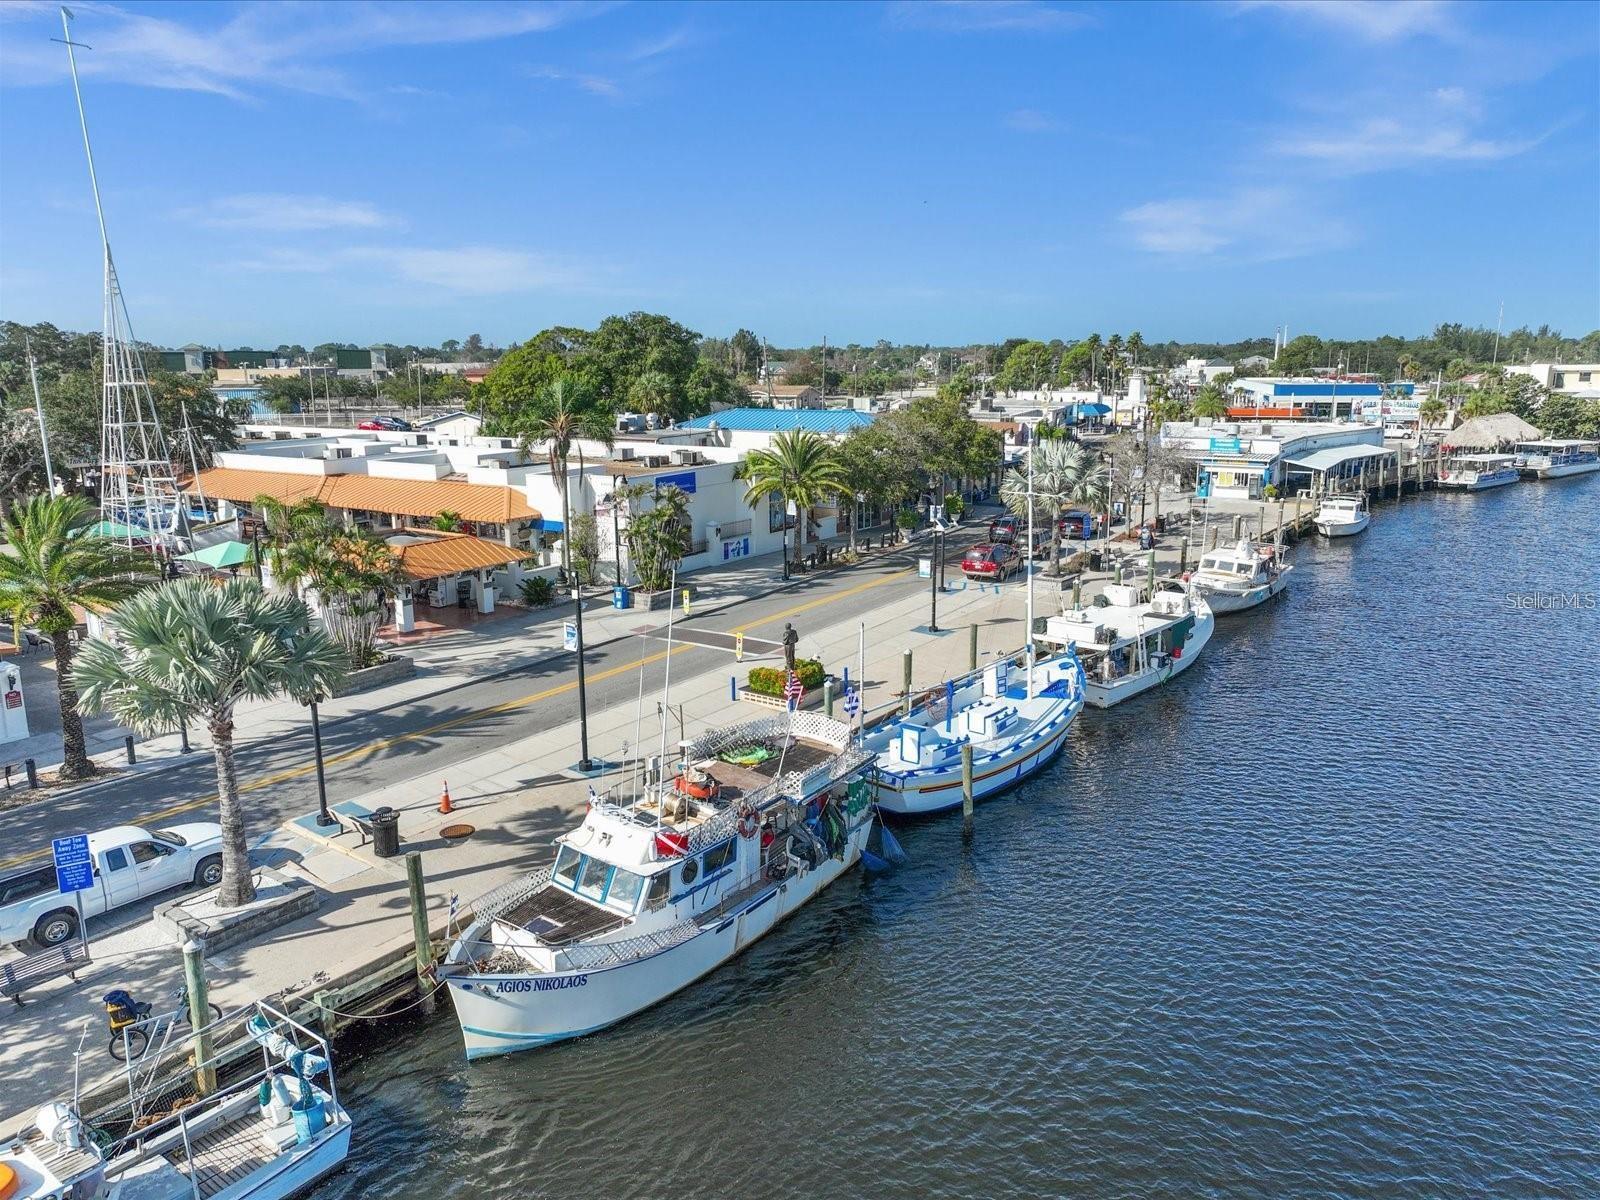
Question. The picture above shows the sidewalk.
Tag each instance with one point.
(517, 798)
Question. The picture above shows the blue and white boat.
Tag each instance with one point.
(1556, 458)
(1478, 472)
(652, 892)
(1014, 726)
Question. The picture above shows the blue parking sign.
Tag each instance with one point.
(74, 868)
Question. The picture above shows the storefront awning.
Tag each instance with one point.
(1326, 460)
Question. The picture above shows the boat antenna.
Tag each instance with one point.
(666, 694)
(1032, 446)
(638, 724)
(38, 410)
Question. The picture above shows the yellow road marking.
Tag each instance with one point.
(466, 718)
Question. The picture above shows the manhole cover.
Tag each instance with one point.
(457, 831)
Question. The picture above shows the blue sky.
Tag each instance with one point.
(943, 172)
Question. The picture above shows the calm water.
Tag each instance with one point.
(1320, 919)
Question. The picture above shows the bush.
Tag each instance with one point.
(1270, 491)
(906, 519)
(769, 681)
(537, 591)
(954, 505)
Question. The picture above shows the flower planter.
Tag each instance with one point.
(650, 600)
(811, 699)
(391, 670)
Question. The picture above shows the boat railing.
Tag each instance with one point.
(496, 900)
(594, 955)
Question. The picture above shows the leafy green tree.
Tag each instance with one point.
(658, 537)
(1432, 411)
(514, 381)
(1065, 475)
(584, 539)
(624, 348)
(800, 468)
(1566, 416)
(56, 563)
(285, 393)
(352, 573)
(190, 651)
(557, 416)
(1026, 368)
(710, 386)
(746, 354)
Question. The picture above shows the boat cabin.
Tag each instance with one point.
(1556, 452)
(1122, 634)
(1244, 563)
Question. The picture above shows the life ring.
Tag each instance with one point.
(749, 823)
(9, 1183)
(700, 791)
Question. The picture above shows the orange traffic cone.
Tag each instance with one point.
(444, 800)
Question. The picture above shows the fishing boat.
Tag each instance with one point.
(1014, 724)
(1556, 458)
(1130, 643)
(1242, 576)
(268, 1132)
(1478, 472)
(652, 891)
(1342, 516)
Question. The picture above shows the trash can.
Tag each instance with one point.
(385, 832)
(620, 597)
(1095, 560)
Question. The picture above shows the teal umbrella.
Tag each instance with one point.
(115, 530)
(221, 556)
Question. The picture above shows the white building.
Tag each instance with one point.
(1238, 460)
(1197, 372)
(1576, 379)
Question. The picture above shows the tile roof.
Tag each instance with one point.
(772, 420)
(453, 554)
(402, 497)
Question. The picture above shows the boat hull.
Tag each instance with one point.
(1108, 693)
(1562, 470)
(501, 1014)
(1344, 528)
(918, 792)
(1223, 602)
(1481, 484)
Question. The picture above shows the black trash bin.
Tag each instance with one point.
(1095, 561)
(385, 832)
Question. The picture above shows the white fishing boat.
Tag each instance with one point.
(265, 1134)
(1478, 472)
(1342, 516)
(1013, 724)
(1234, 578)
(1556, 458)
(652, 892)
(1129, 643)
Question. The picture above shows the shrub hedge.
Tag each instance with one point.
(769, 681)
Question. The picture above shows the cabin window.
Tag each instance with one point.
(691, 868)
(116, 859)
(719, 856)
(593, 879)
(567, 862)
(625, 889)
(660, 886)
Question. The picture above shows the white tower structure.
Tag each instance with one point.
(138, 486)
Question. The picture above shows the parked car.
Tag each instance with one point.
(1078, 525)
(986, 561)
(1003, 530)
(130, 864)
(389, 424)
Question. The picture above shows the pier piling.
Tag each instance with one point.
(972, 646)
(827, 697)
(905, 703)
(194, 978)
(419, 928)
(966, 789)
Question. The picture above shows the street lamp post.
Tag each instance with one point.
(583, 693)
(324, 817)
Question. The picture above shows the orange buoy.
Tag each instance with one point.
(444, 800)
(9, 1183)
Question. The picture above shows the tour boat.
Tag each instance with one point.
(1128, 644)
(266, 1134)
(1556, 458)
(1243, 576)
(1014, 726)
(1478, 472)
(1342, 516)
(652, 892)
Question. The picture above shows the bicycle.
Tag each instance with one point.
(131, 1025)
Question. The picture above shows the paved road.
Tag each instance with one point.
(420, 739)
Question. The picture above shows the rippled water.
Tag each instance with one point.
(1322, 918)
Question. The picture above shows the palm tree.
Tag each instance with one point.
(800, 468)
(1432, 411)
(562, 412)
(56, 563)
(351, 573)
(1065, 475)
(191, 651)
(1135, 344)
(659, 536)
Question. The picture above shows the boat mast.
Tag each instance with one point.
(666, 697)
(136, 473)
(1031, 446)
(38, 411)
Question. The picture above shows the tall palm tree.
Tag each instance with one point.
(800, 468)
(1135, 344)
(351, 573)
(191, 651)
(560, 413)
(1065, 475)
(57, 562)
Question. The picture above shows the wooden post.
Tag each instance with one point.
(1213, 544)
(1280, 520)
(1183, 558)
(972, 646)
(905, 666)
(194, 979)
(1238, 525)
(827, 697)
(419, 928)
(327, 1015)
(966, 789)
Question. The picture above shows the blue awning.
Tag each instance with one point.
(1083, 412)
(549, 525)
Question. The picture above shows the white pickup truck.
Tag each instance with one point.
(129, 863)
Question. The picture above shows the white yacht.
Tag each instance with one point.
(1478, 472)
(1556, 458)
(1342, 516)
(267, 1134)
(652, 892)
(1014, 724)
(1235, 578)
(1128, 644)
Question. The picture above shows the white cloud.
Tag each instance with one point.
(1372, 20)
(1383, 143)
(260, 46)
(283, 213)
(1030, 120)
(667, 43)
(1251, 224)
(595, 85)
(986, 16)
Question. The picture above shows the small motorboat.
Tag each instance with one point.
(1342, 516)
(1235, 578)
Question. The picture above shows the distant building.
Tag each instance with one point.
(1237, 461)
(1252, 362)
(1578, 379)
(754, 428)
(790, 396)
(458, 424)
(1321, 400)
(1197, 372)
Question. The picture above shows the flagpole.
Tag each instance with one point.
(1032, 446)
(666, 696)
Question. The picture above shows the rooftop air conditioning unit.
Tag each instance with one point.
(657, 460)
(624, 453)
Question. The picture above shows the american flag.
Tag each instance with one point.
(793, 689)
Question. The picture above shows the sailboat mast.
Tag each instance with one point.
(38, 411)
(666, 697)
(1031, 446)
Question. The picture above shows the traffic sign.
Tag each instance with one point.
(74, 868)
(738, 647)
